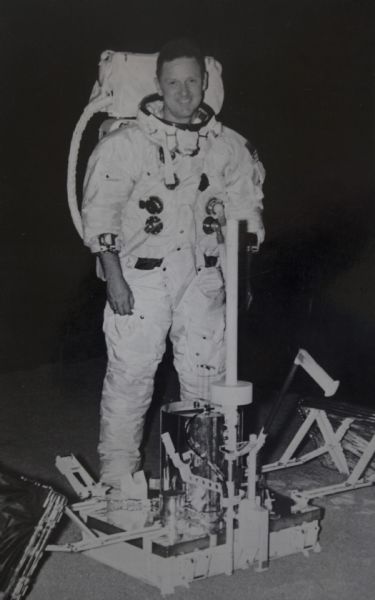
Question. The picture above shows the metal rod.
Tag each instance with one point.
(231, 301)
(276, 405)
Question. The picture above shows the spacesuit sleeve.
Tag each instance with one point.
(107, 186)
(244, 176)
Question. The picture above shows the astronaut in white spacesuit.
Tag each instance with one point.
(156, 196)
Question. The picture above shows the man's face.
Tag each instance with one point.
(181, 85)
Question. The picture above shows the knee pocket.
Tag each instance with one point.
(205, 323)
(205, 349)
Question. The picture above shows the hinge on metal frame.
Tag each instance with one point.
(82, 483)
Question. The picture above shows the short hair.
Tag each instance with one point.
(179, 48)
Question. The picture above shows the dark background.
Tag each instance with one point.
(299, 80)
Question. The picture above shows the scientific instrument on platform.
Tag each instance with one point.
(210, 511)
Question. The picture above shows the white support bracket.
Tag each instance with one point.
(332, 445)
(186, 475)
(302, 498)
(107, 539)
(82, 483)
(331, 438)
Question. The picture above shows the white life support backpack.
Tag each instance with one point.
(124, 80)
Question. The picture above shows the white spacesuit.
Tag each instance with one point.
(159, 193)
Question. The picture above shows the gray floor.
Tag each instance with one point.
(54, 411)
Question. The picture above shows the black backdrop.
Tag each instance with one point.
(299, 83)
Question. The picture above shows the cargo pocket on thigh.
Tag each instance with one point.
(136, 342)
